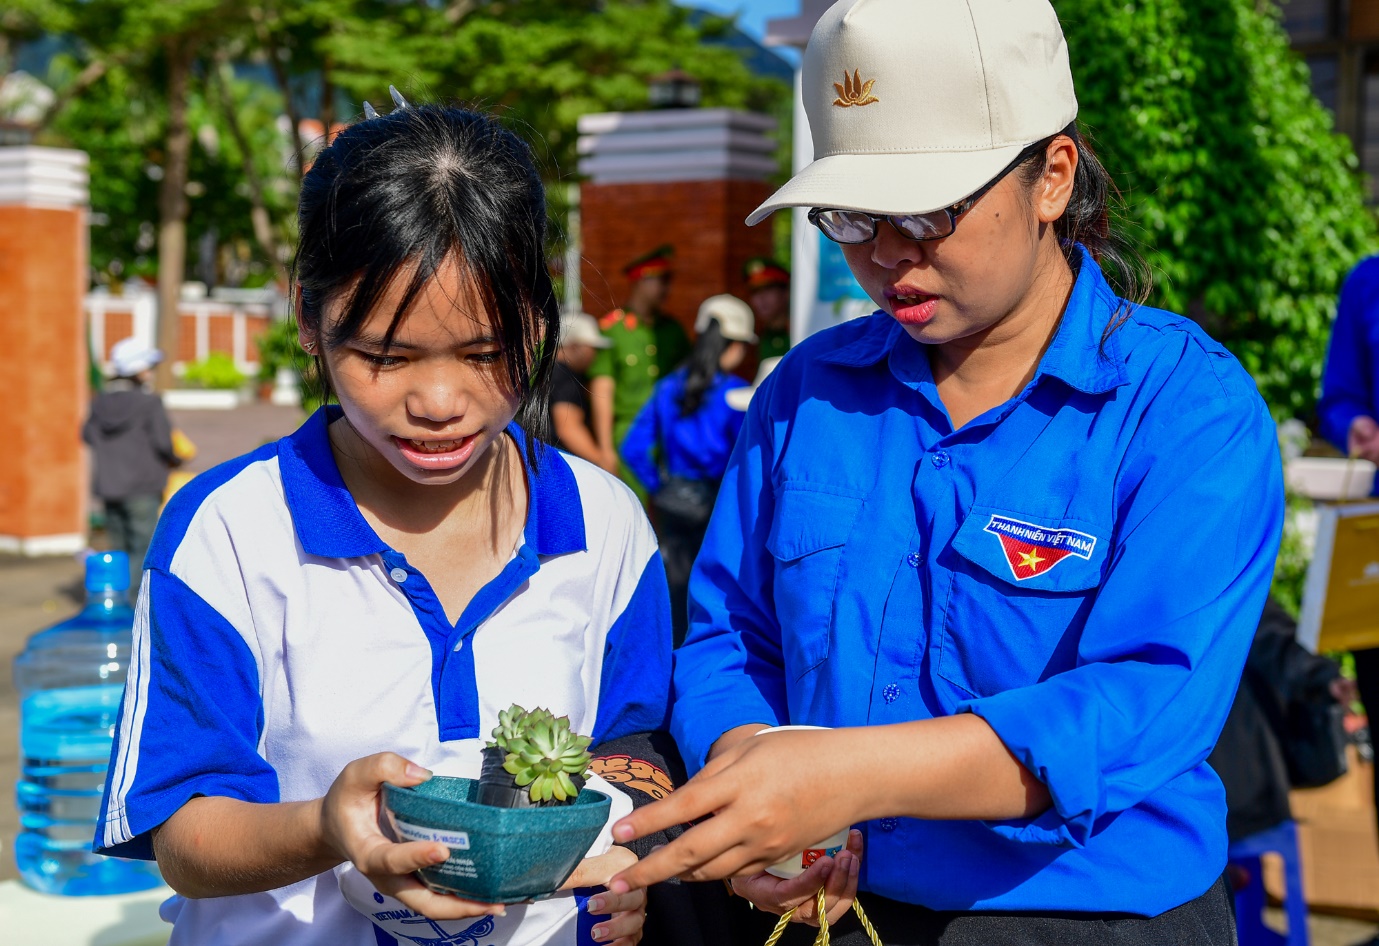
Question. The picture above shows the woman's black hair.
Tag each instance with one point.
(1089, 220)
(703, 367)
(417, 187)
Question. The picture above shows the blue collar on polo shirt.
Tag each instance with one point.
(329, 524)
(1078, 355)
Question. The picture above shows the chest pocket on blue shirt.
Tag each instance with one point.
(1021, 588)
(808, 532)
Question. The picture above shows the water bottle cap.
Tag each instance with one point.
(107, 571)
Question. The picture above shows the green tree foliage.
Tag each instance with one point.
(1247, 203)
(539, 63)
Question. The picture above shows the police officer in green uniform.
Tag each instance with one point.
(768, 291)
(647, 344)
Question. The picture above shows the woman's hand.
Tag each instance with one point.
(838, 877)
(628, 910)
(1363, 441)
(349, 828)
(770, 796)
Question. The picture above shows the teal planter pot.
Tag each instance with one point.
(497, 855)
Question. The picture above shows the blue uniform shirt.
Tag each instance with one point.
(1082, 566)
(1350, 383)
(694, 447)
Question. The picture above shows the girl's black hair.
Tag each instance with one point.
(703, 367)
(417, 187)
(1090, 220)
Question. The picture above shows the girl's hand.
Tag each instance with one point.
(349, 828)
(628, 910)
(769, 799)
(838, 877)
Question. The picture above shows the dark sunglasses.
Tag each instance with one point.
(858, 226)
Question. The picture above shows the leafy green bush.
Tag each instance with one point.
(278, 348)
(1246, 202)
(216, 371)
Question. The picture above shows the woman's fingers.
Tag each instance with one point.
(696, 799)
(841, 887)
(708, 851)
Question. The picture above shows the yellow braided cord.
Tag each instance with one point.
(823, 938)
(866, 923)
(779, 931)
(822, 908)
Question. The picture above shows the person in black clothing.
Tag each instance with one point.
(131, 437)
(1250, 756)
(571, 419)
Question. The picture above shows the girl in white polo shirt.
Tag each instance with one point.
(355, 603)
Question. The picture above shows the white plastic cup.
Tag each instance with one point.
(797, 864)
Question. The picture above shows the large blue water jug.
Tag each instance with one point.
(70, 678)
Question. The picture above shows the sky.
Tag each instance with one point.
(755, 13)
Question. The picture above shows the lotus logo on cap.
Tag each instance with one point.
(851, 91)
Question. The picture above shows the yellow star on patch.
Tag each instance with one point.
(1030, 560)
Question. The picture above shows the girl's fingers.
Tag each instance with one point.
(605, 903)
(595, 871)
(413, 895)
(386, 857)
(620, 925)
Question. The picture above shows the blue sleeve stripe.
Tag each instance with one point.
(190, 721)
(176, 518)
(634, 690)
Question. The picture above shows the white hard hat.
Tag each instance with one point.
(131, 356)
(734, 317)
(739, 398)
(580, 328)
(914, 106)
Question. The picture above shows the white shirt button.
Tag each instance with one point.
(398, 575)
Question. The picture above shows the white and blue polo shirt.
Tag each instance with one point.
(278, 638)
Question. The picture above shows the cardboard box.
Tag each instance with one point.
(1338, 843)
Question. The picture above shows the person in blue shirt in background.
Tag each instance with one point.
(1008, 539)
(1347, 413)
(679, 442)
(1349, 404)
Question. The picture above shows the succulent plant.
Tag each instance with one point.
(542, 752)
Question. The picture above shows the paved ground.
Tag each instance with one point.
(37, 592)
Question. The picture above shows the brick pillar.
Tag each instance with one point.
(43, 279)
(684, 177)
(701, 219)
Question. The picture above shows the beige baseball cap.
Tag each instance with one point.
(581, 328)
(735, 318)
(915, 104)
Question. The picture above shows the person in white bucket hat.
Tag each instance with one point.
(679, 442)
(571, 419)
(1007, 539)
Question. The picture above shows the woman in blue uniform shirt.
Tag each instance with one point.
(679, 442)
(1008, 538)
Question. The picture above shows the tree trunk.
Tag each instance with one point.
(258, 209)
(280, 73)
(172, 208)
(327, 102)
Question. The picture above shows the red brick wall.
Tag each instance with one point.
(43, 477)
(118, 327)
(701, 219)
